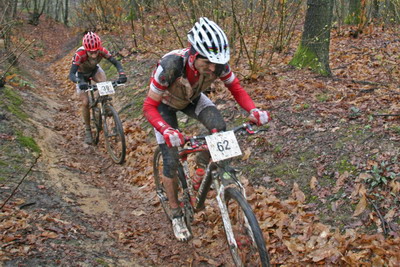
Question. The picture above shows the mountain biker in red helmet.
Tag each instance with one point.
(85, 66)
(177, 84)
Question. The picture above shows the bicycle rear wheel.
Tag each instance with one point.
(95, 123)
(114, 134)
(183, 195)
(157, 172)
(250, 247)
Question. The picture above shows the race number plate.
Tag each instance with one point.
(223, 145)
(105, 88)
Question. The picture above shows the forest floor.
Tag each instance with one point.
(324, 181)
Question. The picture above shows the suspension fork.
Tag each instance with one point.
(225, 217)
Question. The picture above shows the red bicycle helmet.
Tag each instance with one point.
(91, 42)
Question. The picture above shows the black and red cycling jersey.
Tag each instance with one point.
(178, 81)
(86, 65)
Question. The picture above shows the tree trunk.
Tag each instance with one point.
(375, 9)
(66, 13)
(313, 51)
(14, 14)
(35, 16)
(354, 16)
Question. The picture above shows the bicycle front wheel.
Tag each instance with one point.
(114, 134)
(250, 247)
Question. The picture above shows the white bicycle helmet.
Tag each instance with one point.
(210, 41)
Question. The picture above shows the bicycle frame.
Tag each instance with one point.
(107, 121)
(93, 100)
(222, 175)
(213, 174)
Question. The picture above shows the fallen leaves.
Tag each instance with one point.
(15, 223)
(298, 194)
(313, 183)
(362, 204)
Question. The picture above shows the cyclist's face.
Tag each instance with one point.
(93, 54)
(204, 66)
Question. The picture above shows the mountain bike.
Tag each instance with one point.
(243, 234)
(104, 117)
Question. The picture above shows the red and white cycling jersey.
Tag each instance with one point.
(178, 81)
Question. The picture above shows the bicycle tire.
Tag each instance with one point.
(95, 124)
(160, 191)
(251, 249)
(114, 134)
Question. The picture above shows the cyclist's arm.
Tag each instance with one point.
(72, 73)
(166, 72)
(233, 85)
(76, 62)
(116, 63)
(150, 110)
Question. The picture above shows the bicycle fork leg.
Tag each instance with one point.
(227, 222)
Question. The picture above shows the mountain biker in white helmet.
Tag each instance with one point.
(177, 84)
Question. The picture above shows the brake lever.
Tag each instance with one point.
(250, 130)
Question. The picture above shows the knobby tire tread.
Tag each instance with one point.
(120, 131)
(236, 195)
(158, 180)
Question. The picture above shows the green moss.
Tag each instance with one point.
(28, 142)
(278, 148)
(313, 199)
(302, 106)
(284, 170)
(12, 102)
(306, 58)
(12, 96)
(344, 165)
(322, 97)
(352, 19)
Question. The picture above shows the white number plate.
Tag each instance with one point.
(105, 88)
(223, 145)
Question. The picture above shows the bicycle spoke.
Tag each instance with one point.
(114, 135)
(250, 245)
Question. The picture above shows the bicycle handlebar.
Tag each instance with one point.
(245, 127)
(94, 86)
